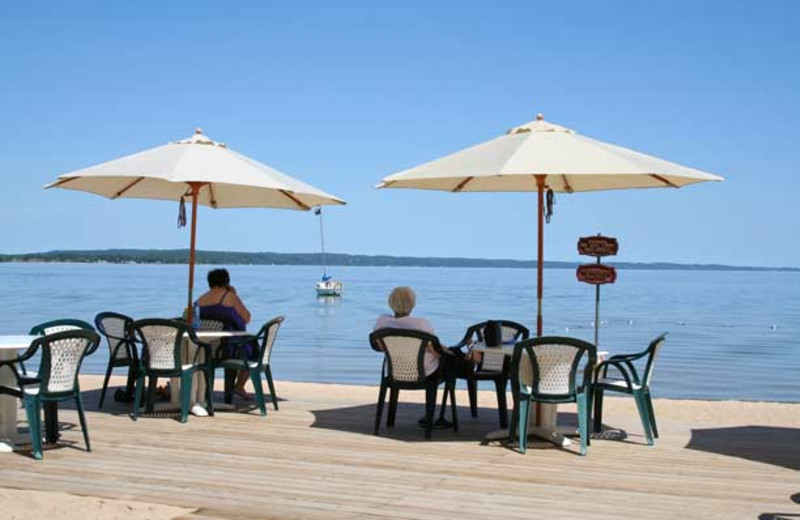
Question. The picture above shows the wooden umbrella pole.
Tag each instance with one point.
(539, 272)
(540, 262)
(195, 190)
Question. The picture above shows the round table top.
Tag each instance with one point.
(16, 342)
(215, 334)
(508, 349)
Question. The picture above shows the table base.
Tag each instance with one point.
(556, 436)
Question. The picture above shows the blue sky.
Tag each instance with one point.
(341, 94)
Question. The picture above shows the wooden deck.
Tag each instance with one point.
(317, 459)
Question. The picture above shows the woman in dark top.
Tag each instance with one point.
(221, 303)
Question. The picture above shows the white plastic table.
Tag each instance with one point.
(547, 413)
(9, 349)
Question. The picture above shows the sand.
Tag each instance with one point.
(16, 504)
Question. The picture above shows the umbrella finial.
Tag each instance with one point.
(540, 117)
(198, 131)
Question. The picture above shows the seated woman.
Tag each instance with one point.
(222, 303)
(402, 301)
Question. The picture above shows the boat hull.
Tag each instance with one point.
(329, 288)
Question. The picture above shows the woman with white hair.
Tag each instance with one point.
(402, 301)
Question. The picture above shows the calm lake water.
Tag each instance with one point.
(732, 335)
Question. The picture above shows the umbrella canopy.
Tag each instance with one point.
(205, 171)
(229, 179)
(539, 156)
(569, 161)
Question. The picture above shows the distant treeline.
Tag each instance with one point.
(180, 256)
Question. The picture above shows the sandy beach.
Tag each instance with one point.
(316, 458)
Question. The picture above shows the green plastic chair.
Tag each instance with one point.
(404, 369)
(553, 365)
(60, 325)
(53, 326)
(61, 356)
(265, 339)
(51, 407)
(162, 345)
(121, 351)
(630, 383)
(494, 365)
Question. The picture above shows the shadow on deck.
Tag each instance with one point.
(768, 444)
(361, 420)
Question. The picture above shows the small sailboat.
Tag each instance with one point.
(327, 286)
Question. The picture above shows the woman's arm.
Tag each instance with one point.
(239, 306)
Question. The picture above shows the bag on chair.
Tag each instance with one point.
(493, 334)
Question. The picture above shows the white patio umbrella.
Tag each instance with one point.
(539, 156)
(207, 172)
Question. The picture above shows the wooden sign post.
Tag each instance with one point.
(597, 274)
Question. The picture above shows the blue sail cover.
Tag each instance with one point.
(326, 277)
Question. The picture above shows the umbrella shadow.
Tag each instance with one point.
(766, 444)
(360, 419)
(91, 399)
(606, 433)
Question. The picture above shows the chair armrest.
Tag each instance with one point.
(628, 357)
(201, 346)
(628, 361)
(94, 346)
(243, 339)
(29, 353)
(21, 379)
(206, 348)
(236, 342)
(622, 368)
(461, 344)
(450, 352)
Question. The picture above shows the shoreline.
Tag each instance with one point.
(423, 263)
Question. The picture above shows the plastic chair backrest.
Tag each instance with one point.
(549, 365)
(62, 355)
(268, 334)
(405, 352)
(60, 325)
(113, 326)
(208, 324)
(161, 342)
(496, 361)
(652, 351)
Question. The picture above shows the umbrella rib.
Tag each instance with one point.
(295, 199)
(126, 188)
(567, 186)
(61, 182)
(462, 184)
(211, 195)
(664, 180)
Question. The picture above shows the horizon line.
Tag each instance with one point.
(42, 256)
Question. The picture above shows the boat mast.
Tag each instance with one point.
(318, 212)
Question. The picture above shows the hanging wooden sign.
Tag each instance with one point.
(598, 246)
(596, 274)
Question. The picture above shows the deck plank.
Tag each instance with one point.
(317, 459)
